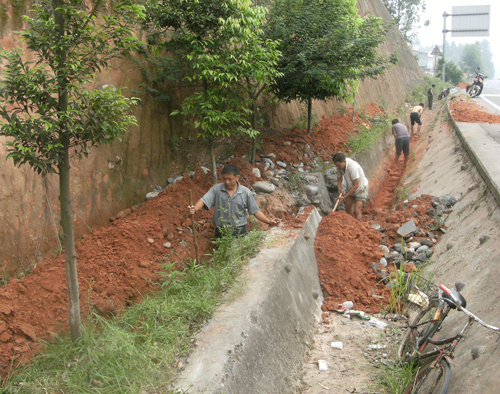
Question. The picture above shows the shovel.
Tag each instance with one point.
(337, 203)
(194, 229)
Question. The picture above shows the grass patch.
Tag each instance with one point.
(137, 351)
(395, 377)
(368, 136)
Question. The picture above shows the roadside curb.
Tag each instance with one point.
(490, 175)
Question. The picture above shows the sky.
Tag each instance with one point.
(433, 34)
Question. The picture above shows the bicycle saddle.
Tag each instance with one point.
(458, 296)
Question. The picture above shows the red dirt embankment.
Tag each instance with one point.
(464, 110)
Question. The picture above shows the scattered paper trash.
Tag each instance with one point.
(377, 346)
(322, 365)
(337, 345)
(377, 323)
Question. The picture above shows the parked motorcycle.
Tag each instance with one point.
(476, 88)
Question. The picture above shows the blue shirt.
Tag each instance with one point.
(230, 211)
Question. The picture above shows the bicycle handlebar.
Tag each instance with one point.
(471, 315)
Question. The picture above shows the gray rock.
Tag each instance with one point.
(311, 178)
(376, 268)
(422, 249)
(167, 245)
(152, 194)
(389, 257)
(376, 227)
(421, 257)
(397, 247)
(448, 201)
(281, 164)
(269, 161)
(427, 242)
(275, 181)
(415, 245)
(450, 245)
(311, 190)
(268, 156)
(287, 143)
(383, 262)
(263, 187)
(395, 254)
(459, 285)
(384, 248)
(256, 172)
(483, 239)
(408, 228)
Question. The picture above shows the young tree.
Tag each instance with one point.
(220, 41)
(453, 74)
(406, 14)
(326, 49)
(50, 114)
(471, 58)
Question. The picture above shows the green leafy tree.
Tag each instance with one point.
(49, 113)
(452, 72)
(406, 14)
(471, 58)
(327, 48)
(228, 62)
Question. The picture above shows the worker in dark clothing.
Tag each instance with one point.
(430, 95)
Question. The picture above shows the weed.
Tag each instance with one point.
(342, 110)
(395, 377)
(302, 119)
(368, 136)
(295, 183)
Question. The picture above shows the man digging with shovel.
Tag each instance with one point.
(356, 184)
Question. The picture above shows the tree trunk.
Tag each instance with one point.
(64, 185)
(69, 246)
(309, 115)
(254, 139)
(211, 147)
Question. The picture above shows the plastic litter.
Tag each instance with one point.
(377, 346)
(337, 345)
(323, 366)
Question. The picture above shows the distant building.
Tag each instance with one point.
(425, 59)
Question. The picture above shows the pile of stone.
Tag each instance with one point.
(416, 246)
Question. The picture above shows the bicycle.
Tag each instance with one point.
(432, 303)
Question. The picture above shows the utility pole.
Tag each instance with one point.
(444, 43)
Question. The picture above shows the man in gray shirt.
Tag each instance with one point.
(356, 191)
(402, 139)
(231, 201)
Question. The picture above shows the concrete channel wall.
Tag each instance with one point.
(257, 342)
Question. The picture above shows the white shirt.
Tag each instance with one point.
(352, 172)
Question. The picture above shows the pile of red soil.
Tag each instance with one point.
(470, 112)
(345, 249)
(462, 85)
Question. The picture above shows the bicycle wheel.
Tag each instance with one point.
(414, 337)
(431, 380)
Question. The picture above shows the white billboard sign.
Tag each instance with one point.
(470, 21)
